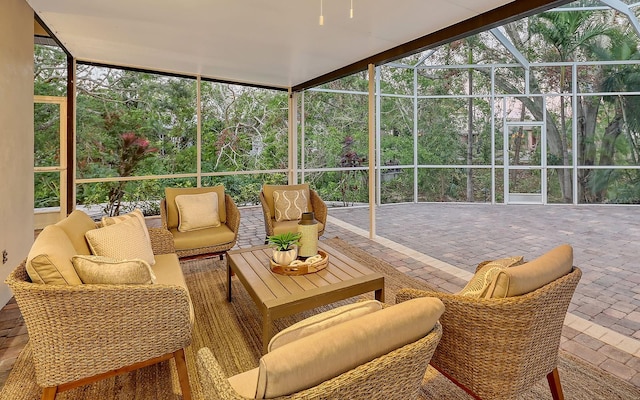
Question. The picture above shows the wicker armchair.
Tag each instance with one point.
(211, 241)
(395, 375)
(498, 348)
(84, 333)
(272, 227)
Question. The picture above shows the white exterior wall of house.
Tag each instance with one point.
(16, 136)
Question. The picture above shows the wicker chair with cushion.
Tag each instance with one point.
(203, 221)
(497, 346)
(381, 354)
(281, 215)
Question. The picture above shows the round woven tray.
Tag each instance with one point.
(301, 269)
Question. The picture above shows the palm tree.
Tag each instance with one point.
(568, 33)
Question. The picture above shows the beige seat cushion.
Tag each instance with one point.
(173, 219)
(125, 240)
(197, 211)
(202, 237)
(75, 226)
(479, 284)
(105, 270)
(268, 190)
(49, 260)
(168, 272)
(322, 321)
(290, 204)
(525, 278)
(312, 359)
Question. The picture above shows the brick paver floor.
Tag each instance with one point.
(603, 323)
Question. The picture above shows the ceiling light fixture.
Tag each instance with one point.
(321, 20)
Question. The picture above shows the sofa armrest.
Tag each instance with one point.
(85, 330)
(268, 218)
(319, 207)
(161, 241)
(233, 214)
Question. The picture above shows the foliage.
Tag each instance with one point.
(284, 241)
(132, 149)
(246, 129)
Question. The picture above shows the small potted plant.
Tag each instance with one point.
(285, 247)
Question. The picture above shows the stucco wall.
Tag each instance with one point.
(16, 136)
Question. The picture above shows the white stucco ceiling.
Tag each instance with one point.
(276, 43)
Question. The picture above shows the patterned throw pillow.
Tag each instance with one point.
(486, 273)
(105, 270)
(125, 240)
(106, 221)
(290, 204)
(197, 211)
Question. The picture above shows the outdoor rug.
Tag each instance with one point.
(232, 331)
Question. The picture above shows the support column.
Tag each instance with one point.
(292, 174)
(372, 152)
(198, 132)
(71, 137)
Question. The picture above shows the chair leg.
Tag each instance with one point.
(183, 376)
(554, 384)
(49, 393)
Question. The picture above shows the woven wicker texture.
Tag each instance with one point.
(233, 333)
(232, 222)
(84, 330)
(319, 209)
(395, 375)
(498, 348)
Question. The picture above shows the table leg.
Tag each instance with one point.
(380, 295)
(228, 280)
(266, 331)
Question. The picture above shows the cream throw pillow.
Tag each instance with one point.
(484, 276)
(105, 270)
(197, 211)
(106, 221)
(125, 240)
(290, 204)
(322, 321)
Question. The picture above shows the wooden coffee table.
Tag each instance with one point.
(278, 296)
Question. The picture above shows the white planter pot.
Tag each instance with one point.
(285, 257)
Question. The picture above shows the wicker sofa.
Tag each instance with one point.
(80, 333)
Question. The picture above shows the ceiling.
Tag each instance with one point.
(268, 43)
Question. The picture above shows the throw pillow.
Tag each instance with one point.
(322, 321)
(105, 270)
(486, 273)
(533, 275)
(197, 211)
(125, 240)
(106, 221)
(290, 204)
(49, 260)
